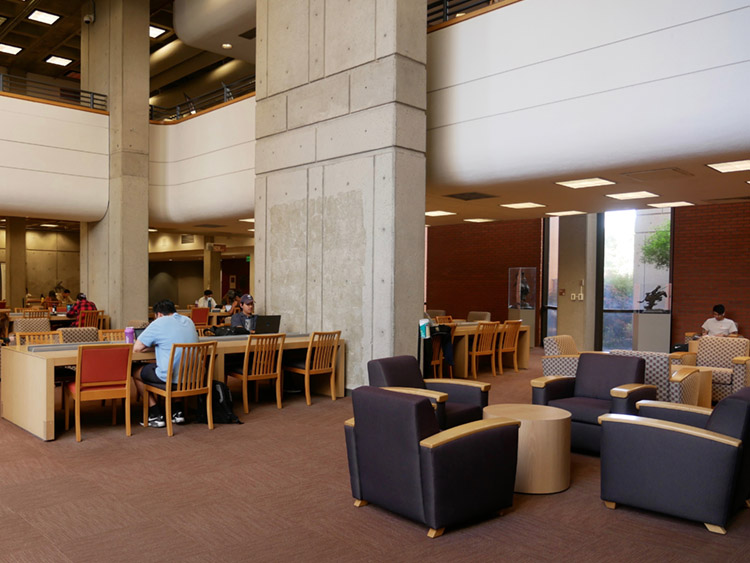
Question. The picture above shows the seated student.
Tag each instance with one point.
(246, 317)
(207, 300)
(168, 328)
(719, 325)
(228, 301)
(50, 300)
(81, 304)
(66, 299)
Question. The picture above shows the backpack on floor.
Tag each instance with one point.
(221, 405)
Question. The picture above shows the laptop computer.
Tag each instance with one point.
(267, 324)
(137, 332)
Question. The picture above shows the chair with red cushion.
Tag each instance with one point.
(200, 316)
(102, 372)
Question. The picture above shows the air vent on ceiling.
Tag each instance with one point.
(209, 226)
(187, 239)
(658, 175)
(469, 196)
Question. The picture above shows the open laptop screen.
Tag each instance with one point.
(267, 324)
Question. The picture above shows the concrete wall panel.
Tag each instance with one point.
(285, 150)
(288, 28)
(396, 21)
(360, 132)
(271, 116)
(353, 42)
(319, 101)
(317, 39)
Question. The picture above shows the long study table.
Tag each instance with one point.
(27, 395)
(461, 364)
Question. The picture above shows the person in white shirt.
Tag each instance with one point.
(719, 325)
(207, 300)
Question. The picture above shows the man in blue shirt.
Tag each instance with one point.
(167, 329)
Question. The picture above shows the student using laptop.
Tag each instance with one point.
(246, 317)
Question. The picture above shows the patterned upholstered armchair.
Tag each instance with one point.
(688, 385)
(560, 356)
(727, 359)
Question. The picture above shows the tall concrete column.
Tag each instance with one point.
(340, 164)
(114, 251)
(212, 268)
(15, 261)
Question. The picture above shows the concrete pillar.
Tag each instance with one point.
(15, 261)
(340, 164)
(577, 274)
(114, 251)
(212, 268)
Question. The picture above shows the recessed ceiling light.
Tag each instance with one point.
(479, 220)
(248, 220)
(632, 195)
(60, 61)
(585, 183)
(43, 17)
(671, 204)
(735, 166)
(525, 205)
(153, 231)
(226, 45)
(154, 32)
(10, 49)
(50, 225)
(251, 230)
(438, 213)
(565, 213)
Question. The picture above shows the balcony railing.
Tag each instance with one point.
(440, 11)
(191, 106)
(71, 96)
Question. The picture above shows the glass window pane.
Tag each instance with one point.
(617, 331)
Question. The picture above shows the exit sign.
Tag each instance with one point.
(247, 259)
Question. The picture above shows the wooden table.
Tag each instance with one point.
(27, 395)
(543, 446)
(461, 365)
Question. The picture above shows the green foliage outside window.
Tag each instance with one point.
(656, 247)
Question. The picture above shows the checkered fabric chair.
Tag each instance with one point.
(560, 356)
(31, 325)
(83, 334)
(658, 373)
(726, 357)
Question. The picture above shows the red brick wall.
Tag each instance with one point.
(710, 265)
(467, 265)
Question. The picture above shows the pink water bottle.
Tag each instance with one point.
(129, 335)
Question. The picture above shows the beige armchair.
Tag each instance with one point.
(727, 358)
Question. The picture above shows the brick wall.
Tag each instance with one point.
(710, 265)
(467, 265)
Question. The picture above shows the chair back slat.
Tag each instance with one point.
(321, 353)
(46, 337)
(267, 351)
(195, 366)
(510, 335)
(485, 336)
(35, 314)
(88, 319)
(112, 335)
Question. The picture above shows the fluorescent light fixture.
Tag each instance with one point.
(438, 213)
(154, 32)
(10, 49)
(226, 45)
(43, 17)
(585, 183)
(50, 225)
(60, 61)
(565, 213)
(248, 220)
(152, 230)
(671, 204)
(525, 205)
(632, 195)
(735, 166)
(479, 220)
(251, 230)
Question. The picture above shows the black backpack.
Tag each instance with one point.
(221, 405)
(225, 331)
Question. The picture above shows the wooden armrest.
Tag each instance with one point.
(541, 382)
(741, 360)
(481, 385)
(690, 334)
(674, 406)
(683, 373)
(465, 430)
(349, 422)
(436, 395)
(622, 391)
(672, 426)
(680, 355)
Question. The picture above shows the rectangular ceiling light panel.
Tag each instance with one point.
(43, 17)
(10, 49)
(632, 195)
(438, 213)
(735, 166)
(525, 205)
(671, 204)
(585, 183)
(565, 213)
(59, 61)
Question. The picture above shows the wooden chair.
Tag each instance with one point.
(509, 343)
(320, 360)
(112, 335)
(484, 344)
(46, 337)
(443, 319)
(200, 316)
(262, 362)
(194, 377)
(35, 314)
(102, 372)
(88, 318)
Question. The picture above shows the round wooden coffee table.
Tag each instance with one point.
(543, 446)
